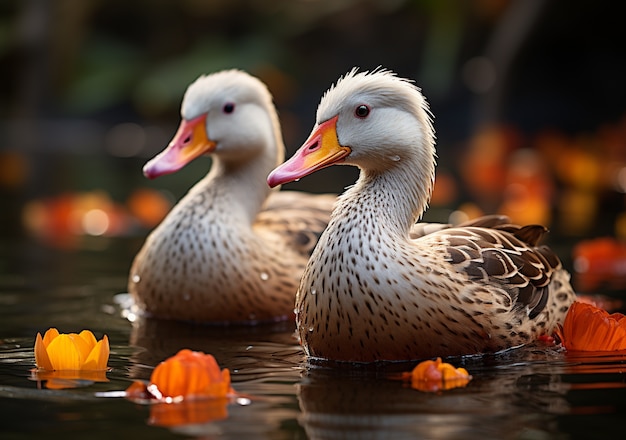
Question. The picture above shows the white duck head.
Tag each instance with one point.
(224, 114)
(373, 120)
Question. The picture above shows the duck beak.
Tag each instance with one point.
(189, 142)
(320, 150)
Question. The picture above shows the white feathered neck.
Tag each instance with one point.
(395, 150)
(243, 175)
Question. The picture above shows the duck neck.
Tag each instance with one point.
(396, 197)
(239, 184)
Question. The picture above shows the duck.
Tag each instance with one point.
(380, 286)
(232, 250)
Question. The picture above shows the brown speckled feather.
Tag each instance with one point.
(380, 287)
(299, 218)
(231, 250)
(501, 256)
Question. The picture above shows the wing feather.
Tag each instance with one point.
(299, 218)
(494, 251)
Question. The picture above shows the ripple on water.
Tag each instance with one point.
(532, 386)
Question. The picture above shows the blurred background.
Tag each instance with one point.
(529, 98)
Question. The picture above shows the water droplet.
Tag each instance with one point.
(154, 390)
(313, 291)
(310, 329)
(264, 276)
(296, 311)
(243, 401)
(395, 158)
(130, 316)
(297, 180)
(136, 278)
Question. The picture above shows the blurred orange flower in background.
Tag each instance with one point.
(589, 328)
(62, 359)
(433, 376)
(63, 220)
(600, 262)
(148, 206)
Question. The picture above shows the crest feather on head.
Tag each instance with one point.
(381, 87)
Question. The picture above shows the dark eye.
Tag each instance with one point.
(362, 111)
(229, 107)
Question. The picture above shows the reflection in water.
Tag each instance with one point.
(522, 394)
(58, 380)
(247, 350)
(528, 393)
(192, 412)
(533, 393)
(264, 361)
(365, 404)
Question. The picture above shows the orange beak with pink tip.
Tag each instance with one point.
(321, 149)
(189, 142)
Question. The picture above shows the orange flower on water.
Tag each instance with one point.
(436, 376)
(75, 352)
(188, 374)
(589, 328)
(188, 388)
(64, 360)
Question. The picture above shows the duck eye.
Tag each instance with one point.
(229, 107)
(362, 111)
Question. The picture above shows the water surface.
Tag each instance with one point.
(531, 393)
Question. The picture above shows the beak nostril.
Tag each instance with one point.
(187, 140)
(313, 146)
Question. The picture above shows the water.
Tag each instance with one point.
(531, 393)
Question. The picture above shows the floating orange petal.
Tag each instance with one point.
(67, 352)
(99, 356)
(50, 334)
(435, 376)
(188, 374)
(68, 360)
(89, 338)
(191, 373)
(71, 352)
(589, 328)
(42, 360)
(188, 388)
